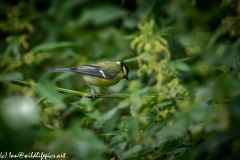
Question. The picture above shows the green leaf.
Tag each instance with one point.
(164, 31)
(179, 65)
(101, 14)
(114, 133)
(132, 128)
(109, 114)
(62, 76)
(15, 43)
(86, 141)
(46, 89)
(113, 111)
(223, 68)
(10, 76)
(95, 114)
(51, 46)
(132, 152)
(133, 59)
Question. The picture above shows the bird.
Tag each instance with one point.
(102, 74)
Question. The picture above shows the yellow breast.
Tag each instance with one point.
(101, 82)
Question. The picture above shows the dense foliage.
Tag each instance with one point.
(181, 100)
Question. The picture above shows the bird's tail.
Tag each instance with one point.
(60, 70)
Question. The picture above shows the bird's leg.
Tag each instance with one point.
(92, 91)
(108, 92)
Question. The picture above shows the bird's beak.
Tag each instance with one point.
(126, 77)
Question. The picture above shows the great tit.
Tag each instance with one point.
(101, 74)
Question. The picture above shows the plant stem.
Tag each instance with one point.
(76, 93)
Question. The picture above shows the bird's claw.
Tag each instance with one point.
(94, 95)
(108, 92)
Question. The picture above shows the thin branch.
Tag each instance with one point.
(76, 93)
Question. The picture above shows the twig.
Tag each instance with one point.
(76, 93)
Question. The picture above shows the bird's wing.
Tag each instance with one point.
(96, 70)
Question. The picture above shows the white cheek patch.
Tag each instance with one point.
(102, 73)
(124, 71)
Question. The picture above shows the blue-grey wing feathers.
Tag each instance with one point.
(91, 69)
(60, 70)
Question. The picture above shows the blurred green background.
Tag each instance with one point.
(181, 100)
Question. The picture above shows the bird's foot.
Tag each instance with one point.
(94, 95)
(108, 92)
